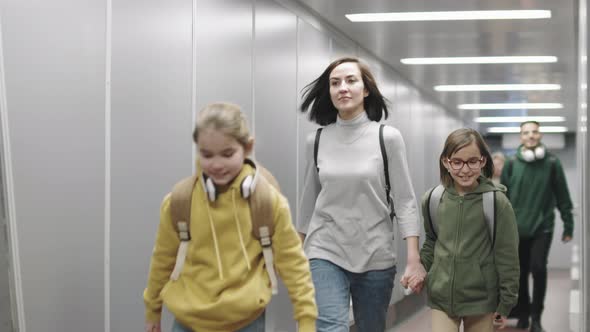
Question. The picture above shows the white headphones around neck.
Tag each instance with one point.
(531, 155)
(246, 187)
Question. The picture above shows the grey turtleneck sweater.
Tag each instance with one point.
(343, 209)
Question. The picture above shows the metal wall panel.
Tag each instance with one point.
(275, 118)
(341, 48)
(54, 74)
(151, 139)
(313, 56)
(224, 53)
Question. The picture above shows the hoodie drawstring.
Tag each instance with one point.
(219, 268)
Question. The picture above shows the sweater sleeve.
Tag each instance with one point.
(427, 250)
(293, 267)
(311, 187)
(162, 263)
(402, 191)
(563, 199)
(506, 255)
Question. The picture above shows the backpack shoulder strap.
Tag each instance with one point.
(180, 205)
(180, 210)
(433, 201)
(510, 166)
(385, 168)
(261, 202)
(489, 213)
(316, 145)
(262, 216)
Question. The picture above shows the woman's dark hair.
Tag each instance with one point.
(457, 140)
(316, 96)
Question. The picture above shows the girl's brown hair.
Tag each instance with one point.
(457, 140)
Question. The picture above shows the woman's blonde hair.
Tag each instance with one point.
(226, 117)
(457, 140)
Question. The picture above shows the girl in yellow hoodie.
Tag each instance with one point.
(224, 285)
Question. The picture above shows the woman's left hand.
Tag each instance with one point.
(414, 276)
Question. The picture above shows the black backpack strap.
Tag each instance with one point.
(510, 166)
(385, 168)
(316, 145)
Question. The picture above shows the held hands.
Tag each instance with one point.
(153, 327)
(414, 276)
(499, 321)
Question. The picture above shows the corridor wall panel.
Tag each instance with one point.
(224, 53)
(151, 127)
(275, 118)
(313, 56)
(54, 74)
(341, 48)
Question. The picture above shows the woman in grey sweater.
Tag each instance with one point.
(344, 215)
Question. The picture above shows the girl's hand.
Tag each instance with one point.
(499, 321)
(152, 327)
(414, 276)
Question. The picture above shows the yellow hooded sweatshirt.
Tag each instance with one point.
(224, 285)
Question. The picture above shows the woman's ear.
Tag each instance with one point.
(484, 161)
(366, 93)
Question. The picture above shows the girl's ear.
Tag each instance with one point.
(484, 161)
(249, 147)
(366, 93)
(445, 163)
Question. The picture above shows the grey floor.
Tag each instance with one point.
(555, 317)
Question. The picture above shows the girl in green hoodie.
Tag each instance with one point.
(473, 275)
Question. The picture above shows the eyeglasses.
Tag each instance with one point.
(472, 163)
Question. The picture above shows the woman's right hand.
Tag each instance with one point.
(152, 327)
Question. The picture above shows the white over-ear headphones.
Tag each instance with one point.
(531, 155)
(246, 187)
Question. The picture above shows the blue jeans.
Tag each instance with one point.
(255, 326)
(371, 293)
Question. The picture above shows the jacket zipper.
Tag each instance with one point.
(454, 268)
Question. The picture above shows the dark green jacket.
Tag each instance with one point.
(465, 276)
(535, 189)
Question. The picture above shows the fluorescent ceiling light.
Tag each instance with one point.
(450, 15)
(543, 129)
(510, 106)
(479, 59)
(500, 119)
(497, 87)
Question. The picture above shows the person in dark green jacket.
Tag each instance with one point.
(536, 186)
(471, 278)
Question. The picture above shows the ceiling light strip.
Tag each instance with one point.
(498, 87)
(503, 119)
(450, 16)
(543, 129)
(479, 60)
(510, 106)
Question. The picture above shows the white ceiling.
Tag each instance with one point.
(392, 41)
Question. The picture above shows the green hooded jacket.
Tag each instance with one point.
(535, 189)
(466, 276)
